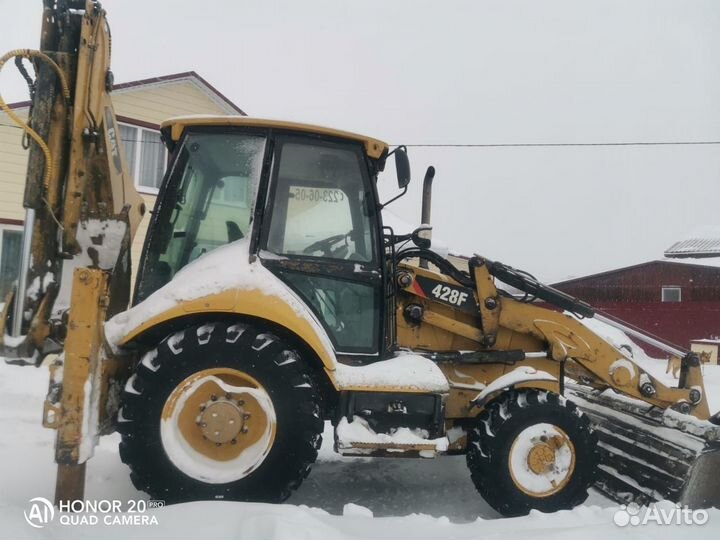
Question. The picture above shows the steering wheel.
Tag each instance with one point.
(325, 245)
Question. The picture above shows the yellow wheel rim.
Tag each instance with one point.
(541, 460)
(218, 425)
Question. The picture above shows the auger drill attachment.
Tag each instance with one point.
(81, 213)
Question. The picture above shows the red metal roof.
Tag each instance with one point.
(704, 263)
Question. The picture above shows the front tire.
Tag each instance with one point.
(532, 450)
(220, 411)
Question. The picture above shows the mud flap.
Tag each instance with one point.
(702, 489)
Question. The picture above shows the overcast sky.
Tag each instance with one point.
(459, 72)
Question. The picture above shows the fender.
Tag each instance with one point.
(241, 302)
(225, 280)
(522, 376)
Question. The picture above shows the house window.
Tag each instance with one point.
(671, 294)
(233, 191)
(10, 247)
(146, 156)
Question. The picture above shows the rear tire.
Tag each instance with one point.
(288, 401)
(532, 450)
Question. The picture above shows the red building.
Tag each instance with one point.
(678, 301)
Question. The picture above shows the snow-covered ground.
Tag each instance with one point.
(343, 498)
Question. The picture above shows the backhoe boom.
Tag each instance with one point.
(82, 211)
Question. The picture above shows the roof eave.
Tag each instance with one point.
(192, 76)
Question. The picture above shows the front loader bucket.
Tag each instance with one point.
(643, 459)
(702, 489)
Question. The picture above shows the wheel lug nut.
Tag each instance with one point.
(240, 402)
(246, 415)
(202, 407)
(228, 396)
(213, 398)
(244, 429)
(203, 424)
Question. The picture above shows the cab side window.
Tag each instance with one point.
(320, 204)
(319, 208)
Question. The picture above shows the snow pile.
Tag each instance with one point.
(225, 268)
(351, 509)
(251, 521)
(410, 371)
(359, 432)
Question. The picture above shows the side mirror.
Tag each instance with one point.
(402, 166)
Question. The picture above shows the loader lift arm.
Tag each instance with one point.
(656, 442)
(584, 355)
(601, 363)
(82, 211)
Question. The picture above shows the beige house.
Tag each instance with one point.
(140, 106)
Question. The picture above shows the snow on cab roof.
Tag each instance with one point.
(173, 129)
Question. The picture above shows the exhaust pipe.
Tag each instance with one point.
(427, 203)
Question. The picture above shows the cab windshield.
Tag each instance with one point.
(207, 203)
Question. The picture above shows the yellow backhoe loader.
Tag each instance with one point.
(270, 298)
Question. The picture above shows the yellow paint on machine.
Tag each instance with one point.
(176, 126)
(250, 302)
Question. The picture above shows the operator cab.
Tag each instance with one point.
(304, 200)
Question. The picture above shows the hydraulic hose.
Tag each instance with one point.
(30, 54)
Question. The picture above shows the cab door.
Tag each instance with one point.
(320, 235)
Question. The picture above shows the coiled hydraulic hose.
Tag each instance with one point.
(30, 54)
